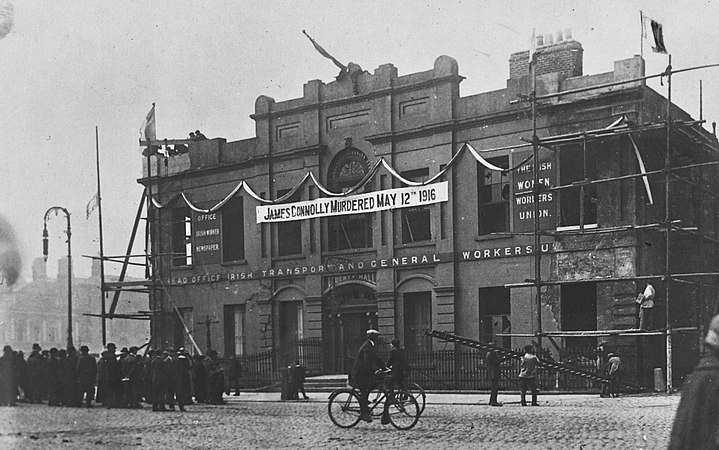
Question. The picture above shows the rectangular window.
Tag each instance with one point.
(493, 197)
(181, 237)
(494, 313)
(416, 222)
(234, 318)
(20, 330)
(578, 310)
(417, 318)
(578, 204)
(182, 339)
(233, 230)
(348, 232)
(289, 234)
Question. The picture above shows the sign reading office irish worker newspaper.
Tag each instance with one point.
(355, 204)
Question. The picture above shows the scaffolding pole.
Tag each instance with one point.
(667, 235)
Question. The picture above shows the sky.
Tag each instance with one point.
(67, 67)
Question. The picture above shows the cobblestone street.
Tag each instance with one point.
(259, 421)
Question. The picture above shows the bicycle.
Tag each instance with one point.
(343, 406)
(416, 391)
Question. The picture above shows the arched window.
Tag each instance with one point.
(355, 230)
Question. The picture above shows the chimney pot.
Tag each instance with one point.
(560, 36)
(540, 40)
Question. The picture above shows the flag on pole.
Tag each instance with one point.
(324, 53)
(657, 33)
(147, 130)
(532, 47)
(91, 205)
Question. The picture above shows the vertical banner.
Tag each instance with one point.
(523, 188)
(206, 238)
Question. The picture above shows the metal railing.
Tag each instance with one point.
(464, 369)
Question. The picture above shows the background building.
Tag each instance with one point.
(458, 253)
(36, 312)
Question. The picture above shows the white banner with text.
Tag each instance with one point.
(355, 204)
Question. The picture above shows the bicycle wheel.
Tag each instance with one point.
(418, 393)
(343, 408)
(403, 411)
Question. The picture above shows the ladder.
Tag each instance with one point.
(543, 363)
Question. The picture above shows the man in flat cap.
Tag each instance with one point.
(696, 425)
(366, 364)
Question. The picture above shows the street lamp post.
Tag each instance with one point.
(69, 264)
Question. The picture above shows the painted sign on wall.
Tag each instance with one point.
(206, 238)
(523, 186)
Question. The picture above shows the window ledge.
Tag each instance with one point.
(289, 257)
(429, 243)
(239, 262)
(185, 267)
(493, 236)
(350, 252)
(577, 227)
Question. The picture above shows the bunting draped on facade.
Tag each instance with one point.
(310, 175)
(370, 175)
(642, 169)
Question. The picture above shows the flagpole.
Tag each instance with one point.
(102, 249)
(535, 186)
(641, 32)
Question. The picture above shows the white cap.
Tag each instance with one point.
(372, 332)
(713, 333)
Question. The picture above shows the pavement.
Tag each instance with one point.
(260, 420)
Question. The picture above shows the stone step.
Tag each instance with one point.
(325, 382)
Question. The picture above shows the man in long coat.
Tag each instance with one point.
(696, 425)
(109, 374)
(86, 375)
(363, 370)
(35, 368)
(160, 378)
(8, 382)
(494, 360)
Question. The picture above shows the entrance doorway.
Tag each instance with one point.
(348, 313)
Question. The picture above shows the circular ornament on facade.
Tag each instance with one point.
(347, 168)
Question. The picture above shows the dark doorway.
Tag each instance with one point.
(417, 319)
(290, 323)
(579, 313)
(348, 312)
(354, 328)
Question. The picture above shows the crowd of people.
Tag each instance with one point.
(124, 379)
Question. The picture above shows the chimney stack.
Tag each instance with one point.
(556, 53)
(39, 269)
(95, 268)
(62, 268)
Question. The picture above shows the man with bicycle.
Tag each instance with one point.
(363, 371)
(398, 363)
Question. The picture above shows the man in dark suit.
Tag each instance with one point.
(86, 375)
(398, 363)
(494, 360)
(366, 364)
(696, 424)
(160, 379)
